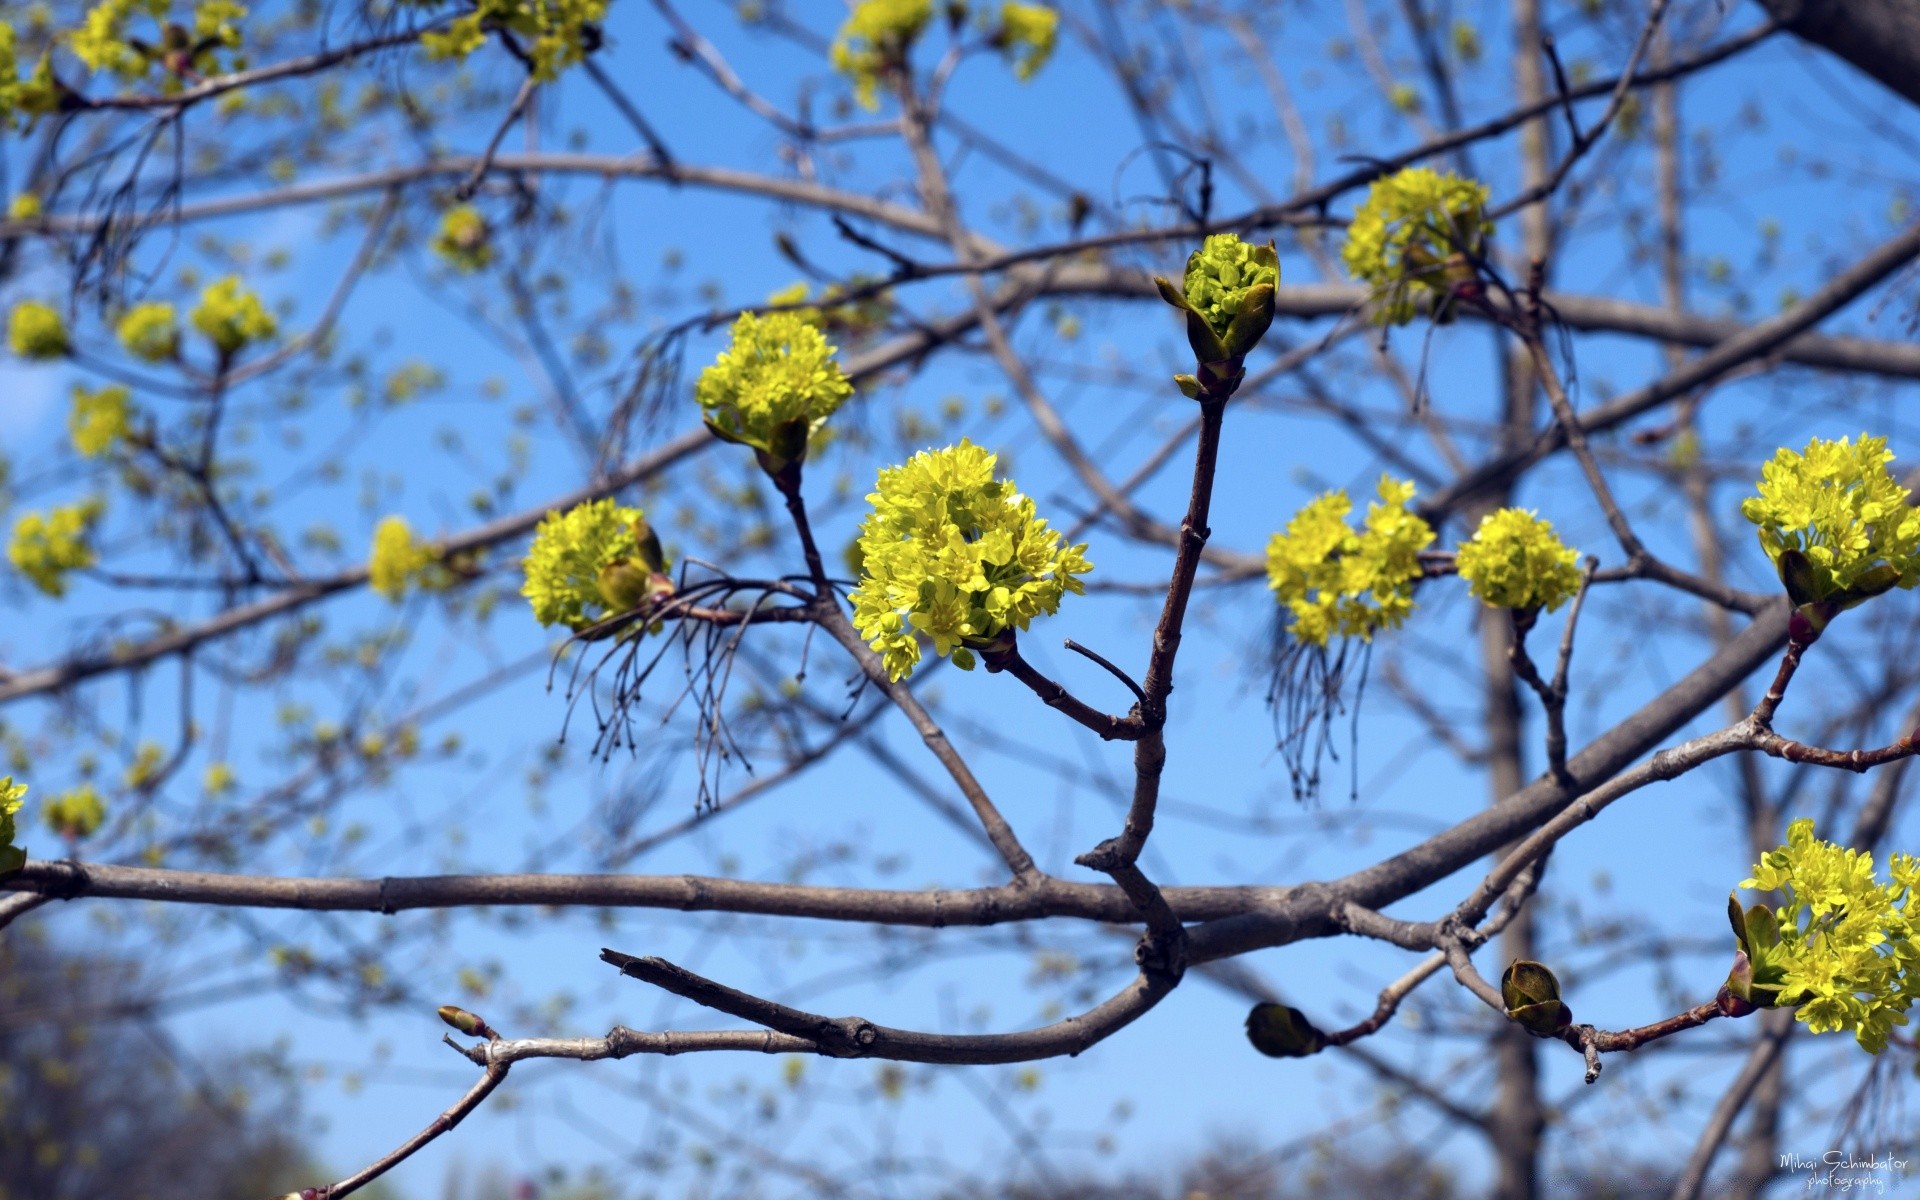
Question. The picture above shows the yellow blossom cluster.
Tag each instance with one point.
(1515, 560)
(774, 385)
(593, 561)
(47, 547)
(1835, 522)
(1843, 951)
(875, 40)
(1414, 233)
(954, 555)
(1336, 581)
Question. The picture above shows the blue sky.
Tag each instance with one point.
(1667, 855)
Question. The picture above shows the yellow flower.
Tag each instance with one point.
(954, 555)
(37, 332)
(219, 779)
(1515, 560)
(875, 40)
(99, 419)
(45, 548)
(1842, 949)
(75, 814)
(1411, 234)
(11, 793)
(150, 332)
(26, 205)
(1338, 581)
(465, 239)
(775, 385)
(1835, 522)
(398, 558)
(591, 562)
(231, 317)
(1026, 36)
(557, 33)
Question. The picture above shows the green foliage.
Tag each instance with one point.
(1026, 35)
(45, 548)
(398, 559)
(150, 332)
(465, 239)
(1414, 233)
(12, 857)
(99, 419)
(232, 317)
(1515, 560)
(591, 562)
(37, 332)
(774, 385)
(1835, 522)
(1841, 951)
(1338, 581)
(75, 814)
(875, 40)
(955, 555)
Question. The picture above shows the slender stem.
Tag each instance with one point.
(1058, 698)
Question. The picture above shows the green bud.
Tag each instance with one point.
(1252, 321)
(466, 1022)
(1279, 1031)
(1802, 580)
(1875, 581)
(1758, 974)
(1189, 386)
(649, 542)
(1532, 996)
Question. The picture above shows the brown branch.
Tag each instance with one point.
(857, 1037)
(1109, 727)
(931, 908)
(491, 1078)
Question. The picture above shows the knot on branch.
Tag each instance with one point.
(1105, 858)
(1163, 956)
(847, 1037)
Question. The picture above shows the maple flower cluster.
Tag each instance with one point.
(593, 561)
(1026, 35)
(33, 96)
(37, 332)
(232, 317)
(45, 548)
(75, 814)
(875, 40)
(102, 41)
(1843, 951)
(1339, 581)
(150, 332)
(1835, 522)
(773, 386)
(556, 34)
(12, 857)
(99, 419)
(1404, 234)
(398, 559)
(954, 555)
(465, 239)
(1515, 560)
